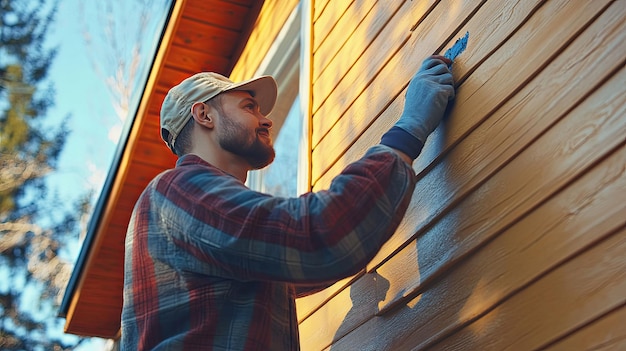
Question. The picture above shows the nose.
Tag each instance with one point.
(266, 122)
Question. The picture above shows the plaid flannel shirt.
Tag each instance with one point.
(213, 265)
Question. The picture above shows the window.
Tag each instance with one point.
(287, 175)
(281, 177)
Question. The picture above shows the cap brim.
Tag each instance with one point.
(263, 89)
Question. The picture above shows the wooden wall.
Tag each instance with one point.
(516, 235)
(272, 17)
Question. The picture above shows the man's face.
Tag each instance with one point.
(244, 131)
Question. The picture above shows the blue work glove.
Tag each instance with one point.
(427, 97)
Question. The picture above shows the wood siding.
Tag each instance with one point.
(516, 235)
(271, 20)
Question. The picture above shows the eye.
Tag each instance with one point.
(252, 107)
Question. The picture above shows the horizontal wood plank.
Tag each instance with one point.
(581, 290)
(606, 334)
(306, 306)
(193, 35)
(171, 76)
(187, 59)
(225, 14)
(489, 29)
(363, 22)
(324, 22)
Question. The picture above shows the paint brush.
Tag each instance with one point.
(459, 46)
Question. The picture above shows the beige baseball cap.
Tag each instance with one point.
(176, 108)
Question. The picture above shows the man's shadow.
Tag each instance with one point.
(417, 305)
(371, 287)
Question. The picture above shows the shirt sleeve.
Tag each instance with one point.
(220, 227)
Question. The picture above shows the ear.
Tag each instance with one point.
(201, 114)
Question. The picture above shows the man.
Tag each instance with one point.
(213, 265)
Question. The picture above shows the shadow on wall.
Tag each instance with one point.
(362, 304)
(410, 305)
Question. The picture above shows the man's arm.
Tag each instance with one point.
(404, 156)
(224, 229)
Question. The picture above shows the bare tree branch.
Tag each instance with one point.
(14, 172)
(13, 234)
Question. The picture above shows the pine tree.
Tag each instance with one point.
(29, 250)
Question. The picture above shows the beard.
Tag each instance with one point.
(234, 138)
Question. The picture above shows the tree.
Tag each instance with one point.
(32, 229)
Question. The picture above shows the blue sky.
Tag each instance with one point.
(82, 96)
